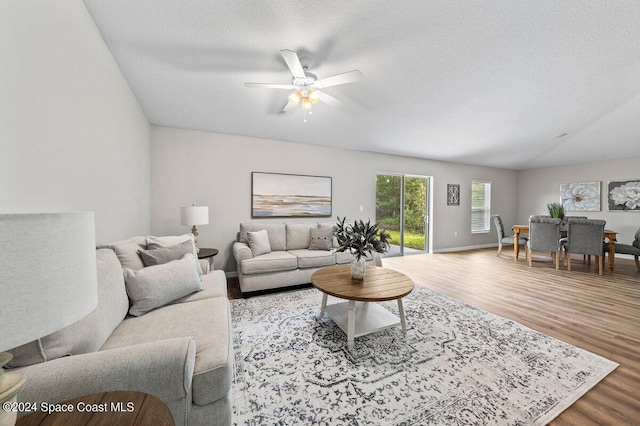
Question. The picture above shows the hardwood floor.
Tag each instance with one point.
(598, 313)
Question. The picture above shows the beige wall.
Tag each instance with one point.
(537, 187)
(215, 170)
(72, 135)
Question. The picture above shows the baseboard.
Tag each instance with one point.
(231, 274)
(451, 249)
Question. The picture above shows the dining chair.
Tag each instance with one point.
(544, 235)
(632, 249)
(584, 236)
(565, 221)
(502, 238)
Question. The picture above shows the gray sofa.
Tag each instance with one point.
(180, 352)
(291, 257)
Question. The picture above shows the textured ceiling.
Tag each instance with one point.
(487, 82)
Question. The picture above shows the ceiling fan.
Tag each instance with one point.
(305, 85)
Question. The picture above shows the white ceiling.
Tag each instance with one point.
(486, 82)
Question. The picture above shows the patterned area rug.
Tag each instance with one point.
(458, 365)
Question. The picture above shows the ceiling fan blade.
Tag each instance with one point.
(288, 107)
(293, 62)
(334, 80)
(328, 99)
(270, 86)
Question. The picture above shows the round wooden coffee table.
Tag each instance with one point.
(379, 285)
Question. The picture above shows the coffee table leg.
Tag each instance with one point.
(351, 323)
(324, 304)
(402, 319)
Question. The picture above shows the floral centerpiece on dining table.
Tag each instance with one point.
(360, 239)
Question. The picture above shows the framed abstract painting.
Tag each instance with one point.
(580, 196)
(624, 195)
(286, 195)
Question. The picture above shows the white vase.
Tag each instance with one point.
(358, 268)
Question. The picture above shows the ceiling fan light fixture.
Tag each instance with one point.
(295, 97)
(313, 96)
(306, 104)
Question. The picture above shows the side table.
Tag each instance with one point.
(207, 253)
(120, 408)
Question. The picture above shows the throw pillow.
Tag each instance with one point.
(156, 286)
(259, 242)
(160, 242)
(127, 251)
(321, 239)
(161, 255)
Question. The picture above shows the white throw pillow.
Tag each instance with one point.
(163, 242)
(259, 242)
(158, 285)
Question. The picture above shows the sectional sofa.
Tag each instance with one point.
(291, 253)
(161, 327)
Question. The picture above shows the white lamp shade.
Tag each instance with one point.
(194, 215)
(47, 274)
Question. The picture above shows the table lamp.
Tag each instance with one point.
(192, 216)
(47, 282)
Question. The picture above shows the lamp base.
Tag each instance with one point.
(194, 231)
(9, 385)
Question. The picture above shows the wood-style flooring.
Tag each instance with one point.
(598, 313)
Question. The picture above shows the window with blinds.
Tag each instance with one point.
(480, 206)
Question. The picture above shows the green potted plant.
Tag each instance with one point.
(556, 210)
(360, 239)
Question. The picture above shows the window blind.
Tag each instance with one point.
(480, 206)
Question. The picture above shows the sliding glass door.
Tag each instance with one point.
(402, 207)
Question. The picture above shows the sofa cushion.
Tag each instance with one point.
(343, 257)
(270, 262)
(214, 284)
(168, 241)
(158, 285)
(276, 232)
(259, 242)
(208, 322)
(313, 258)
(321, 239)
(90, 333)
(299, 235)
(158, 256)
(127, 251)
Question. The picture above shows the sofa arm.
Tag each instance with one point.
(241, 251)
(163, 369)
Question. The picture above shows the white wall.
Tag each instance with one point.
(215, 170)
(538, 187)
(72, 135)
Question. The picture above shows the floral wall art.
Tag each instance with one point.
(624, 195)
(580, 196)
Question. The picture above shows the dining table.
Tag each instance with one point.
(524, 229)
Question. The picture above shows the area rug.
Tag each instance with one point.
(457, 365)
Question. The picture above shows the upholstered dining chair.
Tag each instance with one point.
(632, 249)
(584, 236)
(502, 238)
(565, 221)
(544, 235)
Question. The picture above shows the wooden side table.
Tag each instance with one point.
(120, 408)
(207, 253)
